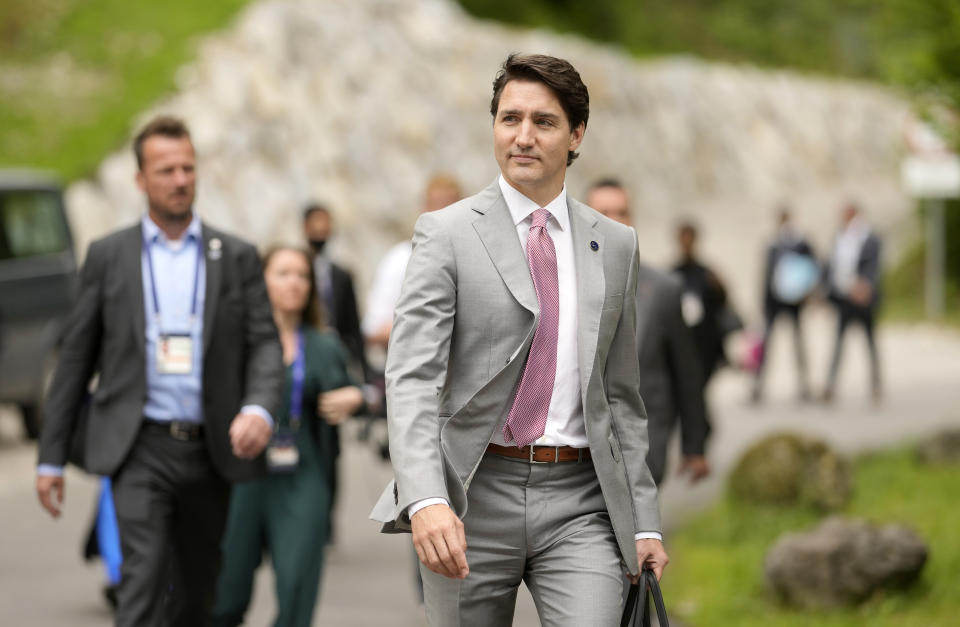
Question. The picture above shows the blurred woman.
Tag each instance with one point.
(288, 512)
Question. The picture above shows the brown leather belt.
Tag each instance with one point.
(542, 454)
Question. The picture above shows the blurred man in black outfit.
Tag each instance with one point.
(671, 384)
(853, 282)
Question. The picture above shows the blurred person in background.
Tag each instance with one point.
(703, 302)
(288, 513)
(174, 319)
(790, 275)
(671, 384)
(334, 288)
(442, 190)
(853, 287)
(334, 285)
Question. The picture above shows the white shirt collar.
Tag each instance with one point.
(521, 207)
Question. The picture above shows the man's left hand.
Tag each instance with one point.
(650, 553)
(249, 434)
(695, 466)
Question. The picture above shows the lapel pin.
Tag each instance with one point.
(594, 246)
(215, 246)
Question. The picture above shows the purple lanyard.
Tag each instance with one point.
(296, 386)
(153, 283)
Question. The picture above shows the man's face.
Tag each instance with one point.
(687, 240)
(531, 137)
(317, 226)
(849, 213)
(168, 176)
(440, 196)
(611, 202)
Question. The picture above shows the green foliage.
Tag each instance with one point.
(884, 39)
(904, 283)
(715, 576)
(74, 73)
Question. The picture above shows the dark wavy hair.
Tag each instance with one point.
(555, 73)
(163, 125)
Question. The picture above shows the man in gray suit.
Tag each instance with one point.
(671, 383)
(512, 383)
(173, 320)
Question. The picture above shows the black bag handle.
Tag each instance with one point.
(636, 613)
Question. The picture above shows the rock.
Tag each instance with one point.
(358, 102)
(843, 562)
(942, 448)
(789, 469)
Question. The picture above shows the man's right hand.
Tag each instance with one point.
(50, 492)
(440, 541)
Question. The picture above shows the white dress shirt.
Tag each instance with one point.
(846, 255)
(385, 291)
(565, 423)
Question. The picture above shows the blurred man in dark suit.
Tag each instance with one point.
(173, 319)
(334, 286)
(671, 383)
(853, 286)
(789, 277)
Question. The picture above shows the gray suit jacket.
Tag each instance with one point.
(242, 359)
(671, 382)
(463, 326)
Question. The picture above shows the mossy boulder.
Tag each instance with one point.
(942, 448)
(843, 562)
(790, 469)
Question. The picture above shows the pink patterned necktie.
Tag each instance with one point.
(528, 415)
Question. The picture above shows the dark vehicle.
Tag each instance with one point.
(38, 282)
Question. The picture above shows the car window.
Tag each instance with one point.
(31, 223)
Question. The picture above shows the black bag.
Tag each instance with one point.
(637, 611)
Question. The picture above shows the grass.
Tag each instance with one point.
(75, 73)
(715, 577)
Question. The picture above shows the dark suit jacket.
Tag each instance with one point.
(344, 318)
(242, 359)
(671, 382)
(868, 268)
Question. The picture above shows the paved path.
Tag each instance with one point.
(367, 579)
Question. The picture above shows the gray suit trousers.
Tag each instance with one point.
(543, 524)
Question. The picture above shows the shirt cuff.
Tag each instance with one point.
(49, 470)
(260, 411)
(649, 535)
(416, 507)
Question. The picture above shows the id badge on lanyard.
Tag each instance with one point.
(283, 456)
(175, 353)
(174, 350)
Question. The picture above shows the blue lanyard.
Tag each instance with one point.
(296, 387)
(153, 283)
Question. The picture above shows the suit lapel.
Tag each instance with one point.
(590, 283)
(132, 259)
(213, 252)
(499, 236)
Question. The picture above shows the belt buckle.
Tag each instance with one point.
(556, 455)
(179, 432)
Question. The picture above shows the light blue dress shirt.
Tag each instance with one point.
(175, 270)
